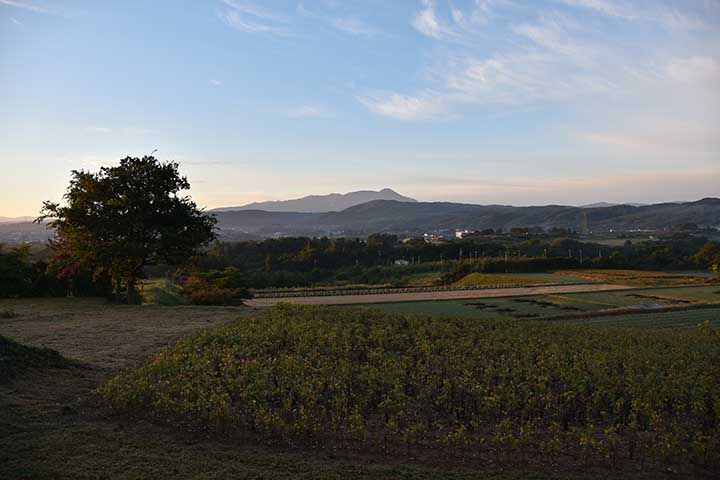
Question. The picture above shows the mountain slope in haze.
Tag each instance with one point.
(333, 202)
(16, 219)
(420, 217)
(608, 204)
(403, 217)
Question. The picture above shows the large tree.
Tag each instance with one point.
(709, 256)
(122, 218)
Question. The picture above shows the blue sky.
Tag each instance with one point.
(483, 101)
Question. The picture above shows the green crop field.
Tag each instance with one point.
(670, 319)
(542, 306)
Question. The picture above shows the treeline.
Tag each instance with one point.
(300, 261)
(22, 275)
(303, 262)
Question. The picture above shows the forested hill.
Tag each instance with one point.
(405, 217)
(414, 218)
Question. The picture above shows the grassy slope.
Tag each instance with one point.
(16, 358)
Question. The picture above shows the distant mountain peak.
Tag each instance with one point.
(333, 202)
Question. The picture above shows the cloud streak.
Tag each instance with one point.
(309, 111)
(353, 26)
(25, 5)
(249, 18)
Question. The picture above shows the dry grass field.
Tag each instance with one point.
(638, 278)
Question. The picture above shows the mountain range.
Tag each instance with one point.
(413, 217)
(419, 217)
(333, 202)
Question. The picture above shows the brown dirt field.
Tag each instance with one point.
(448, 295)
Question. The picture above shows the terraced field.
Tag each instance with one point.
(580, 304)
(667, 319)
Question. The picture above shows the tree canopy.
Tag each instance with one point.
(125, 217)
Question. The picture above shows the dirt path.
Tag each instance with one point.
(425, 296)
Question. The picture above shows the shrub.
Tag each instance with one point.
(15, 271)
(217, 287)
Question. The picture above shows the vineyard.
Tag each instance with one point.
(357, 377)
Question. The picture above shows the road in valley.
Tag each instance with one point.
(442, 295)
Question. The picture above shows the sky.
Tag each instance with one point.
(479, 101)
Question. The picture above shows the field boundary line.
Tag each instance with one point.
(439, 296)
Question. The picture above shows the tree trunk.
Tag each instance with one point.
(132, 296)
(118, 292)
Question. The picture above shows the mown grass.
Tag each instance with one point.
(346, 377)
(16, 358)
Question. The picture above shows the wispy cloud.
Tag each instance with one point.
(24, 5)
(341, 21)
(665, 16)
(427, 22)
(698, 71)
(404, 107)
(16, 21)
(678, 21)
(656, 135)
(250, 18)
(557, 57)
(308, 111)
(553, 34)
(215, 83)
(97, 129)
(353, 26)
(608, 7)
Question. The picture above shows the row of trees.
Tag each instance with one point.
(303, 261)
